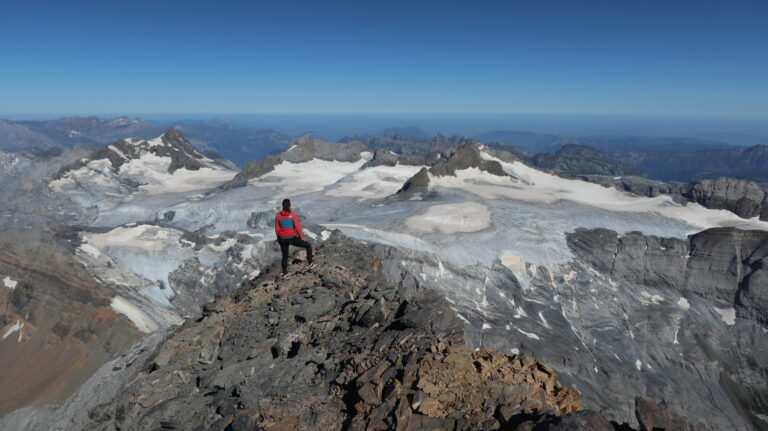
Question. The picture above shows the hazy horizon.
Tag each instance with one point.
(736, 130)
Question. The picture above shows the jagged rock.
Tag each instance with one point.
(465, 157)
(585, 420)
(302, 149)
(55, 318)
(288, 354)
(654, 416)
(171, 144)
(382, 157)
(742, 197)
(418, 184)
(726, 265)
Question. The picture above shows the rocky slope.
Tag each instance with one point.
(724, 265)
(300, 150)
(338, 347)
(57, 322)
(744, 198)
(468, 156)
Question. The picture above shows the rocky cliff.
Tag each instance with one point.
(725, 265)
(57, 322)
(301, 149)
(333, 348)
(744, 198)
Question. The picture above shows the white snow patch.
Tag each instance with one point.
(648, 299)
(311, 176)
(683, 304)
(528, 334)
(486, 326)
(309, 233)
(87, 248)
(541, 187)
(143, 322)
(451, 218)
(543, 320)
(727, 314)
(375, 182)
(224, 246)
(514, 351)
(638, 365)
(15, 327)
(10, 283)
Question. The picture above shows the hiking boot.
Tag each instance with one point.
(312, 265)
(286, 275)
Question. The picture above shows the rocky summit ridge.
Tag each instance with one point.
(336, 348)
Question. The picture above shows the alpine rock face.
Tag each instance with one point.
(629, 299)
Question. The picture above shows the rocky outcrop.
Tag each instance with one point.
(170, 144)
(744, 198)
(56, 323)
(726, 265)
(654, 416)
(334, 348)
(389, 158)
(417, 184)
(466, 157)
(300, 150)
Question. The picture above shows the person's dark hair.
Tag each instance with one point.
(286, 204)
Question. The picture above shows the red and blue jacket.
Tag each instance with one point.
(287, 225)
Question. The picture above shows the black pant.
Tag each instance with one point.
(295, 241)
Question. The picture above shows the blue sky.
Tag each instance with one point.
(612, 57)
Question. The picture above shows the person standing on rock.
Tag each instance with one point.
(288, 231)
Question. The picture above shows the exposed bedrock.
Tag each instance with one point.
(337, 348)
(300, 150)
(742, 197)
(465, 157)
(726, 265)
(56, 323)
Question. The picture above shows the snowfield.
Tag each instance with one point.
(143, 322)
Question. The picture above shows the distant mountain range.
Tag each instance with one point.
(666, 159)
(222, 138)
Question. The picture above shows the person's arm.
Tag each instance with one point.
(277, 228)
(297, 226)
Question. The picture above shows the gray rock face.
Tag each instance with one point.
(467, 156)
(417, 184)
(724, 265)
(388, 158)
(300, 150)
(742, 197)
(337, 348)
(173, 145)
